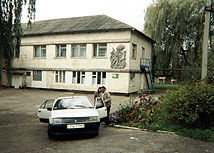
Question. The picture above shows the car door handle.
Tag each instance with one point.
(39, 111)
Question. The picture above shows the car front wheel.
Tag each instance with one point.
(50, 135)
(96, 133)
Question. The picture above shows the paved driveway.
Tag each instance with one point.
(21, 132)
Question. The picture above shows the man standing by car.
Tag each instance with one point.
(107, 101)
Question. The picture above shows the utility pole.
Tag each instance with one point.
(205, 40)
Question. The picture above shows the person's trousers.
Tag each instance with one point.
(108, 112)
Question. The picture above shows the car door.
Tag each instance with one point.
(43, 113)
(102, 110)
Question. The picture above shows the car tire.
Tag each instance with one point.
(96, 133)
(50, 134)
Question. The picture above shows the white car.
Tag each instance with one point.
(71, 115)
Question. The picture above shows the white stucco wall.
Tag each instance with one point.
(88, 64)
(113, 39)
(140, 42)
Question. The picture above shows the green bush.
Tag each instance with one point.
(138, 114)
(187, 111)
(166, 86)
(191, 106)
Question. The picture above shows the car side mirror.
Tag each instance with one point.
(99, 105)
(49, 108)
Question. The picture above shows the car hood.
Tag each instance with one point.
(74, 113)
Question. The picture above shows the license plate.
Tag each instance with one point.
(75, 126)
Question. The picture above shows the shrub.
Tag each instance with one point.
(187, 111)
(166, 86)
(191, 106)
(138, 114)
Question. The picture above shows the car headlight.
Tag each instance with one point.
(57, 121)
(94, 119)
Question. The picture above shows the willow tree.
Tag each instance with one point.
(10, 32)
(211, 50)
(177, 27)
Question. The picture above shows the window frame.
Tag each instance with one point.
(96, 50)
(143, 52)
(42, 49)
(60, 76)
(59, 49)
(134, 51)
(79, 47)
(99, 78)
(132, 79)
(37, 75)
(78, 77)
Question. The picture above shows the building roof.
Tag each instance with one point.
(84, 24)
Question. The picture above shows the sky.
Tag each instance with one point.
(131, 12)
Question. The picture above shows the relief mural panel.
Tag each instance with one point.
(118, 57)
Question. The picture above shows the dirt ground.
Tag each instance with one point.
(21, 131)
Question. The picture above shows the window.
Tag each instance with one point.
(60, 76)
(99, 78)
(47, 103)
(74, 77)
(40, 51)
(143, 52)
(94, 77)
(61, 50)
(132, 79)
(37, 75)
(78, 50)
(100, 50)
(134, 51)
(78, 77)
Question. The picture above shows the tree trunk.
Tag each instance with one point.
(8, 67)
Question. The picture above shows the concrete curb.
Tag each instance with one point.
(159, 131)
(134, 128)
(126, 127)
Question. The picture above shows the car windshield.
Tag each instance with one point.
(70, 103)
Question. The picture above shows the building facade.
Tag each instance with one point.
(81, 54)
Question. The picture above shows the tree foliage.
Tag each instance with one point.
(190, 106)
(10, 31)
(211, 51)
(177, 27)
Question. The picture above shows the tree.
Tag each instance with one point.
(10, 32)
(211, 51)
(177, 27)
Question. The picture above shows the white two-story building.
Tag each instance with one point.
(83, 53)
